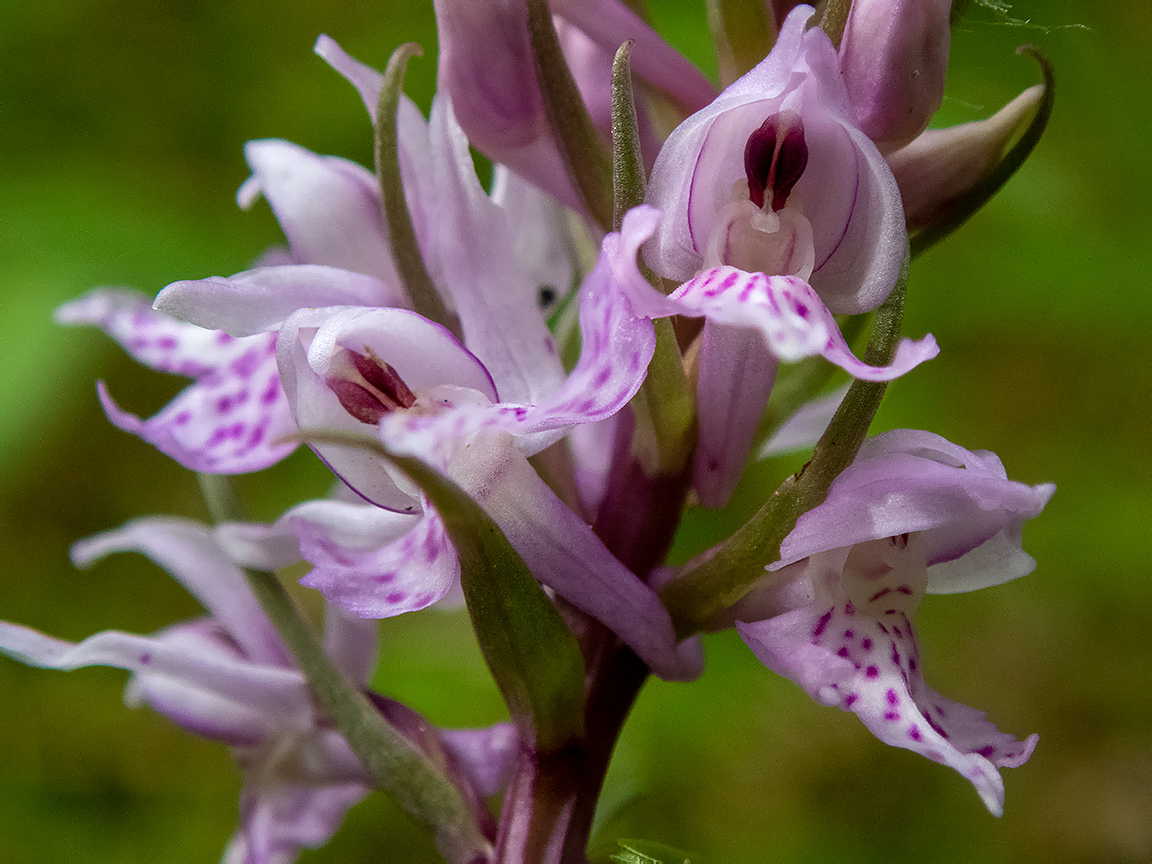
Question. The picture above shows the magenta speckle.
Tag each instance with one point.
(891, 716)
(891, 696)
(395, 597)
(385, 578)
(848, 634)
(850, 699)
(822, 624)
(872, 672)
(166, 343)
(182, 419)
(914, 734)
(987, 751)
(843, 652)
(146, 659)
(866, 644)
(223, 338)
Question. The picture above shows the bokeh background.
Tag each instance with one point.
(120, 147)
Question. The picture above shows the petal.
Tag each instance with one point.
(413, 571)
(609, 23)
(199, 710)
(493, 290)
(847, 192)
(190, 553)
(278, 818)
(906, 481)
(328, 208)
(231, 421)
(153, 338)
(274, 691)
(804, 428)
(737, 372)
(872, 667)
(365, 79)
(351, 642)
(486, 755)
(259, 300)
(564, 554)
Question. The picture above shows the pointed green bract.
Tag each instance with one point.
(576, 135)
(534, 658)
(669, 408)
(425, 298)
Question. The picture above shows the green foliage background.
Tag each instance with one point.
(120, 147)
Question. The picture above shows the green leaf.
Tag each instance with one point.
(533, 656)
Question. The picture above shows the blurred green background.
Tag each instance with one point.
(121, 152)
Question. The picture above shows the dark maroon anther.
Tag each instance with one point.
(358, 401)
(383, 377)
(774, 158)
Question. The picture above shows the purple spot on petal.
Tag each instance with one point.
(848, 634)
(891, 716)
(891, 696)
(987, 751)
(146, 658)
(395, 597)
(850, 698)
(821, 624)
(843, 652)
(166, 343)
(872, 672)
(182, 418)
(914, 734)
(866, 644)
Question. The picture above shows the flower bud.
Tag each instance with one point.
(894, 57)
(942, 164)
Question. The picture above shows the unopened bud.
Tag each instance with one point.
(942, 164)
(894, 57)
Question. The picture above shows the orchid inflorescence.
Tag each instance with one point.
(521, 390)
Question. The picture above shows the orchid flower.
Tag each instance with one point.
(230, 679)
(914, 514)
(757, 320)
(772, 184)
